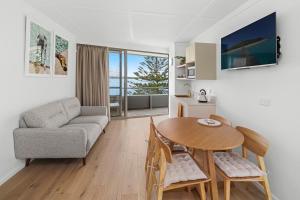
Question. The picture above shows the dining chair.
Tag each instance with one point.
(179, 110)
(151, 146)
(151, 143)
(220, 119)
(176, 147)
(172, 171)
(236, 168)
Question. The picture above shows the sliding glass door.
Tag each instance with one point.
(139, 83)
(116, 83)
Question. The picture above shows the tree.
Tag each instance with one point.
(152, 76)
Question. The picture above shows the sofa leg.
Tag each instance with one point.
(83, 161)
(27, 162)
(103, 130)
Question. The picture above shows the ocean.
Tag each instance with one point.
(114, 86)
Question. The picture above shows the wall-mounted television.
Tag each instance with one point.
(252, 46)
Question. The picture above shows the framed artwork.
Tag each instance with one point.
(39, 44)
(61, 56)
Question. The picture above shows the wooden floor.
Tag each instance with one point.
(114, 171)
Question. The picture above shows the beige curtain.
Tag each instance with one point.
(92, 76)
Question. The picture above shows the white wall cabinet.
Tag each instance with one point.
(203, 57)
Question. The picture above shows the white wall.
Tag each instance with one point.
(19, 93)
(239, 92)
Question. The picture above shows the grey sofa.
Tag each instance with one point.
(61, 129)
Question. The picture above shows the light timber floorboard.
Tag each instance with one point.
(114, 171)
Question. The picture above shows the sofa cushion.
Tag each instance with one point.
(72, 107)
(51, 115)
(233, 165)
(93, 131)
(101, 120)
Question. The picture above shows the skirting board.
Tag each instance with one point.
(260, 187)
(11, 173)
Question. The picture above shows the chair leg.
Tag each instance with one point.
(265, 184)
(202, 191)
(83, 161)
(160, 191)
(188, 188)
(193, 153)
(149, 188)
(146, 163)
(226, 189)
(27, 162)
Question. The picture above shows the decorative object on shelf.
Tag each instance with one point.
(39, 44)
(61, 56)
(209, 122)
(188, 87)
(181, 76)
(202, 96)
(181, 59)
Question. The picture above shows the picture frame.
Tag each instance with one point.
(60, 56)
(38, 49)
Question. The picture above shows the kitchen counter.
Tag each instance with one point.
(191, 107)
(191, 101)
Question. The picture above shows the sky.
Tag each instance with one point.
(132, 62)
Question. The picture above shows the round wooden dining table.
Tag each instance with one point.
(188, 132)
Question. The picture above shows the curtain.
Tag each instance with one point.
(92, 87)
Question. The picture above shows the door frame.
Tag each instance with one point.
(125, 53)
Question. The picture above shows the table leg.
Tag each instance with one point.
(212, 172)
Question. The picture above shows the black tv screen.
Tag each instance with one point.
(251, 46)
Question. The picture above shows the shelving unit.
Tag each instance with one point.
(181, 66)
(184, 79)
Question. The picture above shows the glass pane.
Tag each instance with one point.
(115, 82)
(147, 74)
(148, 84)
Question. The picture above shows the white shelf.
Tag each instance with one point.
(181, 78)
(193, 67)
(181, 66)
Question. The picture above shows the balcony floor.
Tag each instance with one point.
(148, 112)
(144, 112)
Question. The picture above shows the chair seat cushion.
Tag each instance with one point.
(233, 165)
(100, 120)
(176, 147)
(182, 168)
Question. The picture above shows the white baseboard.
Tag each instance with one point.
(260, 187)
(11, 173)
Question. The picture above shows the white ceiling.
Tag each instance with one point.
(122, 23)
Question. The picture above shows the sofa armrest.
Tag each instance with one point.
(50, 143)
(93, 110)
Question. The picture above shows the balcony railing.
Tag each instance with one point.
(140, 98)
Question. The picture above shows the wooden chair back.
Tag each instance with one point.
(220, 119)
(179, 110)
(165, 148)
(152, 141)
(151, 144)
(159, 163)
(254, 141)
